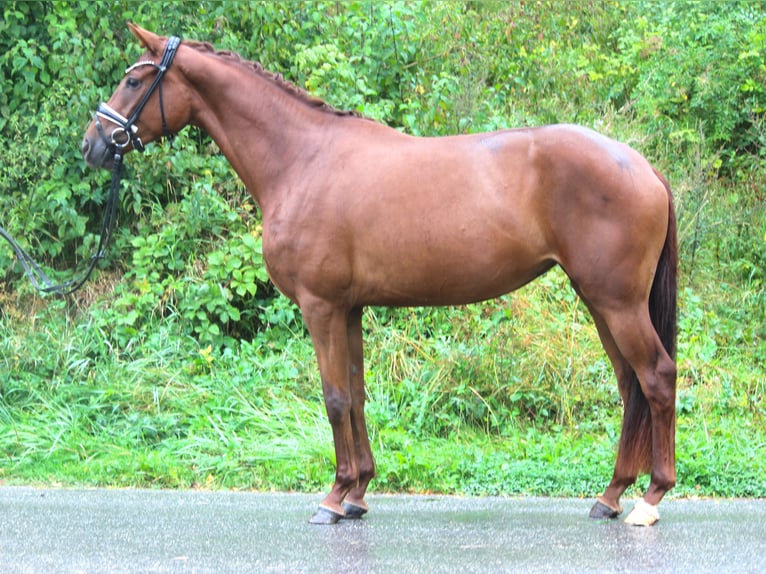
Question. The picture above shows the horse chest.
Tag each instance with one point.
(305, 255)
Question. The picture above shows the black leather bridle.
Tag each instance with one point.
(125, 133)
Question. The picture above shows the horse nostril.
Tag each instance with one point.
(85, 147)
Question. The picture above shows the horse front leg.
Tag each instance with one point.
(354, 505)
(328, 326)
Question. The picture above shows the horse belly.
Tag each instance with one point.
(458, 270)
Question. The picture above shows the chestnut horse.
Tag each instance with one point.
(356, 213)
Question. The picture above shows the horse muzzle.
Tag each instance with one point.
(96, 153)
(99, 151)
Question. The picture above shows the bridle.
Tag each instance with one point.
(124, 134)
(126, 131)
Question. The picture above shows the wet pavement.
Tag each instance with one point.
(115, 531)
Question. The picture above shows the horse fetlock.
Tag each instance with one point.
(346, 479)
(663, 483)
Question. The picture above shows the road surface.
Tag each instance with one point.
(115, 531)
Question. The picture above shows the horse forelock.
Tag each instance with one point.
(274, 78)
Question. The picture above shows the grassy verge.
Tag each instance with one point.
(471, 400)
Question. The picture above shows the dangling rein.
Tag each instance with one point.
(37, 276)
(127, 131)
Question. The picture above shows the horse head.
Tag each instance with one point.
(149, 103)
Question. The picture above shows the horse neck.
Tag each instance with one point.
(262, 130)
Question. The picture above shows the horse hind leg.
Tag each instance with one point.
(647, 441)
(607, 505)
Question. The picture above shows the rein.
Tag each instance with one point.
(37, 276)
(127, 134)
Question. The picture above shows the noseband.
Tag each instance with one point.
(126, 131)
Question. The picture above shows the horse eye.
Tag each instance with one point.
(131, 82)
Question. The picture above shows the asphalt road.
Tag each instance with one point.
(115, 531)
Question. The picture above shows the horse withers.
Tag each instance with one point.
(356, 213)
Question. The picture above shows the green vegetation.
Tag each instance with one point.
(180, 365)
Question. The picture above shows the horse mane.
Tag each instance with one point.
(274, 78)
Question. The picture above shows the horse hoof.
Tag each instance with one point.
(643, 514)
(601, 511)
(325, 516)
(354, 511)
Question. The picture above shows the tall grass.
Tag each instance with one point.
(529, 357)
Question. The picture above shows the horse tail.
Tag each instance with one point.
(663, 299)
(636, 438)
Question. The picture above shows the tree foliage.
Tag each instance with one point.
(685, 75)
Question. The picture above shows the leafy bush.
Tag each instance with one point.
(700, 66)
(681, 81)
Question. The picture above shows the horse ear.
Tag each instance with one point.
(149, 40)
